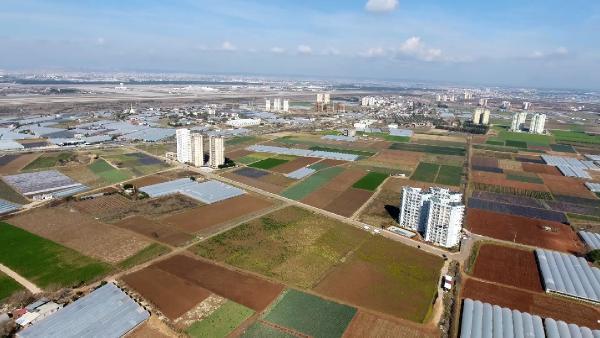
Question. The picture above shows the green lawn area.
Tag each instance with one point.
(370, 181)
(221, 322)
(292, 245)
(529, 139)
(44, 262)
(364, 153)
(426, 148)
(9, 194)
(388, 137)
(50, 160)
(151, 251)
(268, 163)
(107, 172)
(575, 137)
(8, 286)
(425, 172)
(449, 175)
(311, 315)
(303, 188)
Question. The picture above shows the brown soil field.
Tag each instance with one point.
(243, 288)
(500, 179)
(368, 325)
(81, 232)
(510, 266)
(84, 175)
(332, 163)
(277, 179)
(17, 164)
(296, 164)
(484, 161)
(153, 208)
(155, 230)
(510, 165)
(349, 201)
(523, 230)
(345, 180)
(235, 154)
(204, 218)
(540, 169)
(539, 304)
(172, 294)
(478, 139)
(103, 206)
(148, 180)
(569, 186)
(333, 189)
(257, 183)
(422, 137)
(400, 158)
(321, 197)
(152, 328)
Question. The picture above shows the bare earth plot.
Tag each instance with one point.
(12, 164)
(365, 324)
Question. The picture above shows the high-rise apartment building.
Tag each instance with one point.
(197, 150)
(216, 151)
(538, 123)
(518, 121)
(526, 105)
(505, 105)
(286, 105)
(267, 105)
(483, 102)
(184, 145)
(437, 214)
(481, 116)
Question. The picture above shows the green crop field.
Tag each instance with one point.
(151, 251)
(251, 158)
(388, 137)
(303, 188)
(138, 163)
(241, 140)
(370, 181)
(107, 172)
(268, 163)
(449, 175)
(529, 139)
(319, 165)
(525, 178)
(425, 172)
(565, 148)
(261, 330)
(363, 153)
(50, 160)
(221, 322)
(575, 137)
(9, 194)
(44, 262)
(292, 245)
(516, 144)
(310, 314)
(424, 148)
(8, 286)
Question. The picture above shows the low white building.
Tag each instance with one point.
(242, 123)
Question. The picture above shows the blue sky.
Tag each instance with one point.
(542, 43)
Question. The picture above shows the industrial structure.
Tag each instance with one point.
(436, 214)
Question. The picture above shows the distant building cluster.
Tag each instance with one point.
(445, 98)
(481, 116)
(537, 125)
(437, 214)
(190, 149)
(278, 105)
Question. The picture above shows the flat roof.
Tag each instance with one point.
(304, 152)
(591, 239)
(40, 182)
(206, 192)
(105, 312)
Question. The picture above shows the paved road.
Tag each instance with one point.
(20, 279)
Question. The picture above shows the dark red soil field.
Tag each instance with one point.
(148, 180)
(568, 186)
(366, 324)
(296, 164)
(483, 161)
(270, 187)
(540, 169)
(333, 190)
(536, 303)
(500, 179)
(349, 201)
(161, 232)
(510, 266)
(238, 153)
(523, 230)
(204, 218)
(321, 197)
(248, 290)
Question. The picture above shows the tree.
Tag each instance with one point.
(594, 256)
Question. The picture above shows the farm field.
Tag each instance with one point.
(50, 160)
(146, 254)
(310, 315)
(575, 137)
(81, 232)
(268, 163)
(528, 139)
(533, 302)
(509, 266)
(348, 202)
(12, 164)
(108, 173)
(137, 163)
(312, 183)
(148, 180)
(523, 230)
(221, 322)
(365, 324)
(370, 181)
(203, 219)
(295, 164)
(439, 174)
(83, 175)
(376, 269)
(43, 262)
(261, 179)
(8, 286)
(431, 149)
(568, 186)
(156, 230)
(395, 159)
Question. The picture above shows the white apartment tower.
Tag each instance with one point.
(267, 105)
(324, 98)
(217, 151)
(481, 116)
(505, 104)
(286, 105)
(197, 150)
(483, 102)
(437, 214)
(518, 121)
(277, 104)
(184, 145)
(538, 122)
(526, 105)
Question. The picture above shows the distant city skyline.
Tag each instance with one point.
(545, 44)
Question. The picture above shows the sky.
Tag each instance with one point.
(520, 43)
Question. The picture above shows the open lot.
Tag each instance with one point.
(366, 324)
(204, 218)
(81, 232)
(510, 266)
(148, 180)
(51, 160)
(44, 262)
(533, 302)
(156, 230)
(12, 164)
(523, 230)
(371, 275)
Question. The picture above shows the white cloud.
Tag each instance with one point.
(373, 52)
(277, 50)
(304, 49)
(414, 47)
(381, 6)
(228, 46)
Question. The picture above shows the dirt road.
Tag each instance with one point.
(20, 279)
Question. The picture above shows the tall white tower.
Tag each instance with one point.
(277, 104)
(267, 105)
(217, 151)
(197, 150)
(286, 105)
(538, 123)
(184, 145)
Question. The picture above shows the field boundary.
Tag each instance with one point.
(20, 279)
